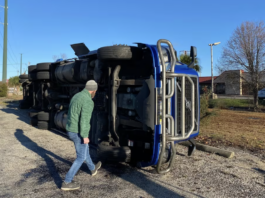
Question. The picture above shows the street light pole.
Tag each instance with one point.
(212, 68)
(213, 44)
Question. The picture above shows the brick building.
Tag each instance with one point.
(205, 81)
(230, 82)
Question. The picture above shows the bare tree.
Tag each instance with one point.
(63, 56)
(246, 50)
(54, 57)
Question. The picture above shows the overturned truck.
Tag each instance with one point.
(146, 101)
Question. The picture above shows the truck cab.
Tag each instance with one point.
(146, 100)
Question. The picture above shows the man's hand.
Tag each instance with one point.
(86, 140)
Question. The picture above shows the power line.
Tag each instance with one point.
(10, 56)
(11, 27)
(8, 48)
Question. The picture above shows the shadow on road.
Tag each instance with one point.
(23, 115)
(12, 108)
(45, 154)
(144, 182)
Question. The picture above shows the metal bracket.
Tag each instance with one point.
(192, 147)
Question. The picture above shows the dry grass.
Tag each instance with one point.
(15, 97)
(4, 100)
(235, 128)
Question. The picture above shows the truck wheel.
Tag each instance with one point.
(43, 67)
(31, 68)
(33, 114)
(23, 76)
(43, 125)
(34, 122)
(93, 151)
(32, 76)
(43, 75)
(109, 154)
(43, 116)
(119, 53)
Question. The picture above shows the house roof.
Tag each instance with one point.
(207, 79)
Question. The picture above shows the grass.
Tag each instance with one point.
(226, 103)
(233, 128)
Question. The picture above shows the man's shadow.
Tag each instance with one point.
(45, 154)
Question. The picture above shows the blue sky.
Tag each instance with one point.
(40, 29)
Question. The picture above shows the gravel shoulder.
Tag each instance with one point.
(33, 162)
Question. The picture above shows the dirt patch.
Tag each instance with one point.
(234, 128)
(4, 101)
(14, 97)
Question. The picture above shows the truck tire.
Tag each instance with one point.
(119, 53)
(43, 116)
(43, 75)
(31, 68)
(43, 125)
(43, 67)
(34, 122)
(33, 114)
(32, 76)
(23, 76)
(93, 151)
(109, 153)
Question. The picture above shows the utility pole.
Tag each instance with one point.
(4, 75)
(20, 64)
(212, 69)
(212, 44)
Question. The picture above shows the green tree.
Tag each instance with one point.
(186, 59)
(3, 89)
(13, 81)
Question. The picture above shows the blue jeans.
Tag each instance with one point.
(82, 154)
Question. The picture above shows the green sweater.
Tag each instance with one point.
(79, 113)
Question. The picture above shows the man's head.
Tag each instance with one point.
(92, 87)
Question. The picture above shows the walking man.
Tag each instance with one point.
(78, 126)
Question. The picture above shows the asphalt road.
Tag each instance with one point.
(33, 163)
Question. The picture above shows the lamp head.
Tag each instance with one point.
(217, 43)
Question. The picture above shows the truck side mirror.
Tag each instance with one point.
(193, 54)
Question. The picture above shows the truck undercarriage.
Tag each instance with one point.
(126, 106)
